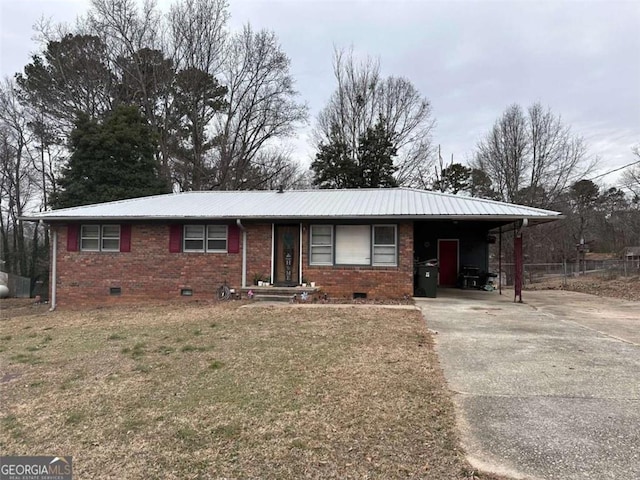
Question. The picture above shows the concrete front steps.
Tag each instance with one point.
(280, 294)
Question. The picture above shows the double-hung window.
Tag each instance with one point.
(321, 245)
(100, 238)
(205, 238)
(385, 248)
(217, 238)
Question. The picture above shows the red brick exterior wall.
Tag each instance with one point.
(258, 251)
(376, 282)
(150, 272)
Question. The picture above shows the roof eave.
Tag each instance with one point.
(489, 218)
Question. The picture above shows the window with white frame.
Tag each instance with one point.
(375, 245)
(385, 250)
(110, 239)
(100, 238)
(321, 245)
(193, 238)
(216, 238)
(90, 238)
(205, 238)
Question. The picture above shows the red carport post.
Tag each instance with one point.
(519, 267)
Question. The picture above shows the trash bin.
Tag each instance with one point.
(427, 280)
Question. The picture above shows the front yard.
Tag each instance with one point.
(218, 391)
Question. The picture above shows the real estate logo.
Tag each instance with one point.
(36, 468)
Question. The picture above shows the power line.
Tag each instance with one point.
(615, 170)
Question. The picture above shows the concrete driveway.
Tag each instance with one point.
(548, 389)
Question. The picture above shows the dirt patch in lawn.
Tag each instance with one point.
(222, 392)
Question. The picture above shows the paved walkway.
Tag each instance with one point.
(549, 389)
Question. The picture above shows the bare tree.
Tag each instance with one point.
(17, 179)
(502, 153)
(198, 34)
(136, 47)
(631, 177)
(262, 108)
(532, 158)
(362, 96)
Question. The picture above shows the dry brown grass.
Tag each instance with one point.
(602, 285)
(217, 391)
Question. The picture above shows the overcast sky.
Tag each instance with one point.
(471, 59)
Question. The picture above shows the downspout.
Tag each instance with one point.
(244, 252)
(273, 252)
(300, 258)
(54, 273)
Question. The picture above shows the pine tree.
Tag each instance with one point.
(375, 158)
(110, 160)
(370, 166)
(334, 166)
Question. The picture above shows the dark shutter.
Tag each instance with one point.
(233, 239)
(175, 238)
(72, 237)
(125, 238)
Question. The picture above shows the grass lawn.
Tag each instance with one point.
(218, 391)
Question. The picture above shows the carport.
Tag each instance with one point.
(461, 246)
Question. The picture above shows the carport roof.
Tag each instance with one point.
(379, 204)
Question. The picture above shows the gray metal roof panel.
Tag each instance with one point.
(353, 203)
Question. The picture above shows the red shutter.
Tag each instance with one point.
(72, 237)
(175, 238)
(233, 239)
(125, 238)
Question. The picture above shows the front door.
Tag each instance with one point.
(447, 262)
(286, 255)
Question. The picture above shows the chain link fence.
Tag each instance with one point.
(541, 272)
(19, 287)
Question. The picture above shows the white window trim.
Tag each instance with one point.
(225, 238)
(103, 238)
(100, 238)
(205, 239)
(185, 239)
(374, 245)
(331, 245)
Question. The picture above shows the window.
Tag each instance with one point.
(321, 245)
(194, 238)
(90, 238)
(110, 241)
(375, 245)
(216, 238)
(100, 238)
(353, 245)
(384, 245)
(209, 238)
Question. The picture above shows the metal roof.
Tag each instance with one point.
(382, 203)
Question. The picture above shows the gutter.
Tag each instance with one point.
(244, 252)
(534, 219)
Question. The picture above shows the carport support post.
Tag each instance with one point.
(519, 267)
(500, 262)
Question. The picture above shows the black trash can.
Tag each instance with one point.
(427, 281)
